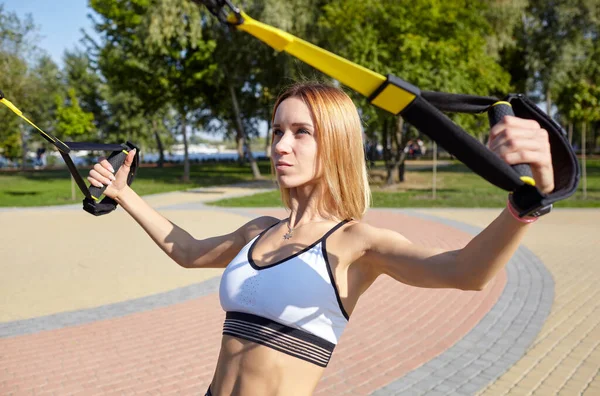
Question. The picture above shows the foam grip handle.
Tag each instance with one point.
(495, 114)
(115, 159)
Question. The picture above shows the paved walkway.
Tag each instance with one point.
(91, 306)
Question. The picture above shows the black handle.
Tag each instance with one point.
(495, 114)
(115, 159)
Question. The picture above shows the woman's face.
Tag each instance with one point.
(294, 147)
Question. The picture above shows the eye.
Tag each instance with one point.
(302, 131)
(277, 132)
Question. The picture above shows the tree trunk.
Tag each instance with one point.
(387, 153)
(570, 133)
(159, 145)
(394, 155)
(548, 102)
(400, 143)
(592, 140)
(268, 142)
(23, 147)
(186, 159)
(583, 165)
(240, 129)
(239, 142)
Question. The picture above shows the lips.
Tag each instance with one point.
(282, 165)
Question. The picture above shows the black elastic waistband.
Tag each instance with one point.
(280, 337)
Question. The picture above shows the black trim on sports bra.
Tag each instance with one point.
(282, 338)
(258, 268)
(335, 288)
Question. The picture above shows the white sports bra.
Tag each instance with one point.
(292, 305)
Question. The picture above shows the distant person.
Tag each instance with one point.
(290, 285)
(40, 158)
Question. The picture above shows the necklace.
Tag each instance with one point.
(288, 235)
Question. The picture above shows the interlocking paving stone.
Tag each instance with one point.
(79, 317)
(154, 339)
(511, 325)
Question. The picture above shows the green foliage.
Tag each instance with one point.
(29, 79)
(161, 64)
(580, 101)
(436, 45)
(557, 37)
(505, 18)
(91, 91)
(71, 119)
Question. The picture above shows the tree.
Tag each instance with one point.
(175, 34)
(80, 73)
(580, 101)
(155, 50)
(71, 119)
(30, 79)
(436, 45)
(554, 34)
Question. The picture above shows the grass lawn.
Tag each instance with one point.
(53, 187)
(457, 186)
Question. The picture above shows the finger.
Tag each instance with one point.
(533, 158)
(95, 182)
(104, 162)
(101, 169)
(514, 146)
(512, 135)
(513, 122)
(525, 152)
(127, 162)
(520, 122)
(99, 177)
(129, 159)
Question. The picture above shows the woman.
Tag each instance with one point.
(290, 285)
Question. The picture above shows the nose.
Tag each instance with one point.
(282, 145)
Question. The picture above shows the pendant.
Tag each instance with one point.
(288, 235)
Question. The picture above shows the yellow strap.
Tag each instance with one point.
(359, 78)
(18, 112)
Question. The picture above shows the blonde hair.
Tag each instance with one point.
(340, 150)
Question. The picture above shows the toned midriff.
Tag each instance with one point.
(245, 368)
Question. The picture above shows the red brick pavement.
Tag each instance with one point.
(394, 329)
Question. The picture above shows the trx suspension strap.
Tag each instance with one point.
(91, 202)
(424, 109)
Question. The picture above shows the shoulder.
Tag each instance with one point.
(369, 234)
(360, 239)
(256, 226)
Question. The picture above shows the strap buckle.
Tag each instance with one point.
(529, 202)
(218, 9)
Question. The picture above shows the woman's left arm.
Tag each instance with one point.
(516, 141)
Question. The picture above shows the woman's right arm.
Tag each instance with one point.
(185, 250)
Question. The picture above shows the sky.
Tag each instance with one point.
(59, 23)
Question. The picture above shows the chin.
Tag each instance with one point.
(286, 183)
(293, 182)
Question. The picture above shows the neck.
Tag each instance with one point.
(305, 206)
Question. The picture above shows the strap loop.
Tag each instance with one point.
(424, 111)
(92, 194)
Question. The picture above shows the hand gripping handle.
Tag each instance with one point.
(495, 114)
(115, 159)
